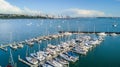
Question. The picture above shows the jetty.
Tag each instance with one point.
(25, 62)
(31, 41)
(4, 47)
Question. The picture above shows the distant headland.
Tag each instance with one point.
(21, 16)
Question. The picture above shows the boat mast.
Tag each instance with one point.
(11, 59)
(10, 37)
(27, 51)
(94, 31)
(68, 30)
(46, 43)
(59, 38)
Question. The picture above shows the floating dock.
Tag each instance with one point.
(25, 62)
(32, 40)
(4, 47)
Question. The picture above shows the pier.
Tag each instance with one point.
(31, 41)
(25, 62)
(4, 47)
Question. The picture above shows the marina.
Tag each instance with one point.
(47, 58)
(59, 33)
(66, 49)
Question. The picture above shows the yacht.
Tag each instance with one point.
(20, 45)
(80, 50)
(66, 57)
(51, 51)
(67, 33)
(62, 61)
(30, 43)
(51, 46)
(72, 55)
(38, 56)
(46, 65)
(13, 46)
(32, 60)
(102, 34)
(113, 34)
(54, 63)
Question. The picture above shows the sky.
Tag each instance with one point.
(74, 8)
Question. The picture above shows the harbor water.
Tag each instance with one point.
(104, 55)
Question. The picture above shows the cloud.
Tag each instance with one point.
(31, 12)
(83, 13)
(7, 8)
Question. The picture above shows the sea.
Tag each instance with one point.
(107, 54)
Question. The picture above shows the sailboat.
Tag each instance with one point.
(31, 59)
(11, 61)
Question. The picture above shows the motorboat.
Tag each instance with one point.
(32, 60)
(72, 55)
(102, 34)
(54, 63)
(66, 57)
(62, 61)
(38, 56)
(13, 46)
(113, 34)
(51, 46)
(46, 65)
(20, 45)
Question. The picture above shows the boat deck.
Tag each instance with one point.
(25, 62)
(40, 63)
